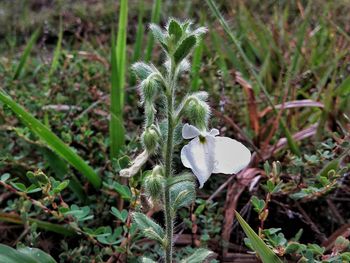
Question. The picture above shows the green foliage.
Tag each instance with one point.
(184, 48)
(150, 139)
(58, 51)
(182, 194)
(80, 213)
(28, 190)
(118, 61)
(142, 70)
(109, 237)
(139, 33)
(26, 53)
(177, 40)
(292, 144)
(147, 260)
(264, 252)
(155, 17)
(55, 143)
(123, 190)
(294, 55)
(196, 63)
(198, 256)
(121, 215)
(24, 254)
(304, 252)
(258, 204)
(154, 183)
(148, 227)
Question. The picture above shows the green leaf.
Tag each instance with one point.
(316, 249)
(4, 177)
(19, 186)
(294, 247)
(26, 53)
(110, 238)
(185, 177)
(123, 190)
(123, 215)
(277, 187)
(198, 256)
(264, 252)
(33, 189)
(61, 186)
(344, 88)
(142, 70)
(267, 168)
(345, 256)
(301, 194)
(175, 29)
(47, 226)
(332, 165)
(182, 194)
(258, 204)
(55, 143)
(80, 213)
(60, 169)
(155, 17)
(159, 35)
(37, 254)
(118, 61)
(25, 254)
(196, 65)
(139, 34)
(57, 53)
(147, 260)
(270, 186)
(184, 48)
(148, 227)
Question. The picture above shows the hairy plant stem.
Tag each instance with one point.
(168, 164)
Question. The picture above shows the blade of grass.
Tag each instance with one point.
(294, 66)
(57, 52)
(24, 254)
(196, 61)
(292, 144)
(157, 4)
(328, 103)
(264, 252)
(53, 142)
(218, 48)
(139, 32)
(59, 229)
(25, 54)
(344, 87)
(138, 40)
(118, 61)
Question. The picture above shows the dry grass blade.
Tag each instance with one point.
(293, 104)
(251, 101)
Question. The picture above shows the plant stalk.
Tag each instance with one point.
(168, 165)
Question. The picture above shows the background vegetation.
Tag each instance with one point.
(278, 77)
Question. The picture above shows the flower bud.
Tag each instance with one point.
(149, 114)
(150, 139)
(198, 113)
(149, 88)
(154, 183)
